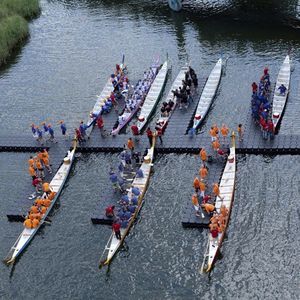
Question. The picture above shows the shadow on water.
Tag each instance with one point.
(281, 12)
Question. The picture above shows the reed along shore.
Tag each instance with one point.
(14, 17)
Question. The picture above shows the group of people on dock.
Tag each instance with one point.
(36, 168)
(46, 132)
(219, 138)
(183, 95)
(261, 106)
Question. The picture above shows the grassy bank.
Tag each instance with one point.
(13, 23)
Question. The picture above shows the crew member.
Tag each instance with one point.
(196, 204)
(109, 211)
(209, 208)
(203, 156)
(116, 228)
(149, 135)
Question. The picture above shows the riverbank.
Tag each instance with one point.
(14, 16)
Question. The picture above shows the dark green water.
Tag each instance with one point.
(56, 75)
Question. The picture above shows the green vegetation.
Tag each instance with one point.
(13, 26)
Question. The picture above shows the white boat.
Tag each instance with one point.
(129, 113)
(153, 96)
(114, 244)
(208, 94)
(163, 120)
(56, 184)
(226, 187)
(279, 101)
(100, 102)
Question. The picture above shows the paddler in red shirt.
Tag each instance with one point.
(116, 228)
(109, 211)
(135, 132)
(149, 135)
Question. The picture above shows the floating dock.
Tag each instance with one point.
(175, 140)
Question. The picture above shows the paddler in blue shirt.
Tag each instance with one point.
(51, 133)
(282, 90)
(33, 130)
(39, 135)
(63, 128)
(82, 129)
(46, 129)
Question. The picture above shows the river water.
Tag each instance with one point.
(57, 75)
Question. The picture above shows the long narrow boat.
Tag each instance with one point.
(226, 187)
(128, 114)
(153, 96)
(208, 94)
(279, 101)
(57, 184)
(114, 244)
(100, 102)
(163, 120)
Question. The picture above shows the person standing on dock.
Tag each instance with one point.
(82, 129)
(100, 124)
(135, 132)
(203, 156)
(203, 172)
(216, 146)
(213, 134)
(40, 168)
(32, 172)
(149, 135)
(130, 145)
(158, 132)
(240, 132)
(270, 126)
(46, 130)
(196, 184)
(195, 203)
(39, 136)
(216, 191)
(31, 162)
(34, 132)
(37, 183)
(202, 188)
(224, 132)
(45, 160)
(51, 134)
(78, 135)
(63, 129)
(116, 228)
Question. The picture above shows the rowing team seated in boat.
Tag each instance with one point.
(132, 103)
(260, 95)
(261, 106)
(127, 207)
(218, 221)
(38, 209)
